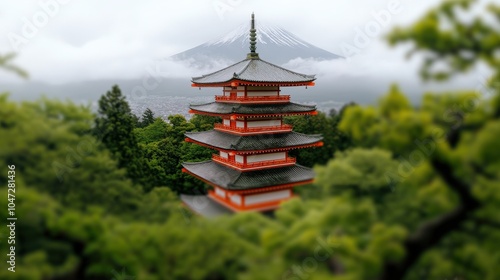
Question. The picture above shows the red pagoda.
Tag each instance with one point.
(252, 170)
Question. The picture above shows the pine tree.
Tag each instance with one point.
(148, 118)
(114, 126)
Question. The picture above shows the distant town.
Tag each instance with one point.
(164, 106)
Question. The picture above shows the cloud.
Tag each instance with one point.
(363, 78)
(87, 40)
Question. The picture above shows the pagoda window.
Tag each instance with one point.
(224, 155)
(226, 122)
(264, 123)
(240, 124)
(240, 159)
(236, 199)
(266, 157)
(262, 91)
(220, 192)
(267, 197)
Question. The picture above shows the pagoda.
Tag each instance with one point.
(252, 170)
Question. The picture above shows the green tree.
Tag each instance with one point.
(114, 126)
(179, 126)
(327, 126)
(147, 118)
(50, 144)
(154, 132)
(202, 122)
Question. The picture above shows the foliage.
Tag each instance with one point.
(5, 63)
(327, 126)
(148, 118)
(153, 132)
(50, 145)
(114, 126)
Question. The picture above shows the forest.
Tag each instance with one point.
(401, 191)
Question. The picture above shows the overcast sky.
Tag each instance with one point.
(75, 40)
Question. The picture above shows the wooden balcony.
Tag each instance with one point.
(253, 130)
(254, 165)
(253, 99)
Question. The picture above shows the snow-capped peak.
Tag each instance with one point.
(265, 34)
(274, 44)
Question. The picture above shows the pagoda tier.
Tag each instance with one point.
(261, 143)
(253, 95)
(253, 72)
(255, 161)
(257, 190)
(250, 127)
(249, 182)
(252, 110)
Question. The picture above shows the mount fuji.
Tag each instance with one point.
(274, 44)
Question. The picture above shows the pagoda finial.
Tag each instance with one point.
(253, 40)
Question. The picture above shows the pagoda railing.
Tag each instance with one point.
(280, 128)
(254, 165)
(253, 99)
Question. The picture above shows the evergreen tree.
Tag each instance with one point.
(147, 118)
(114, 126)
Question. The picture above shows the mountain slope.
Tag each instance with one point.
(274, 44)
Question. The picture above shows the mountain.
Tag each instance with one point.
(274, 44)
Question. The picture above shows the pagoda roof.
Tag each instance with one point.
(232, 179)
(253, 71)
(204, 206)
(228, 141)
(220, 108)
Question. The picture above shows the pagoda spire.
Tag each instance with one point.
(253, 40)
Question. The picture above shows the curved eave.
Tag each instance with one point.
(193, 111)
(238, 82)
(222, 109)
(254, 181)
(253, 190)
(319, 143)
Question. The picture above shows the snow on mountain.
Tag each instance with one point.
(265, 34)
(274, 44)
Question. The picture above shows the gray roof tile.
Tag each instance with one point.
(229, 141)
(253, 70)
(232, 179)
(230, 108)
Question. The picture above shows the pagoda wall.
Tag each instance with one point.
(250, 201)
(236, 199)
(256, 123)
(267, 197)
(239, 159)
(263, 123)
(264, 157)
(251, 91)
(256, 158)
(262, 93)
(220, 192)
